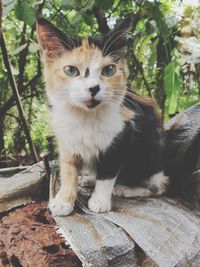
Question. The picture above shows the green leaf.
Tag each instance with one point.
(67, 3)
(76, 19)
(26, 13)
(77, 4)
(72, 4)
(18, 50)
(34, 47)
(87, 19)
(89, 5)
(104, 4)
(8, 5)
(153, 55)
(172, 85)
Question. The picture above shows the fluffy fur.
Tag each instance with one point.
(97, 121)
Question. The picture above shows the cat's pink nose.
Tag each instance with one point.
(94, 90)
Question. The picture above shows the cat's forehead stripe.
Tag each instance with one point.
(87, 72)
(87, 56)
(85, 43)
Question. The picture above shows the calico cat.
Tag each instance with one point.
(99, 123)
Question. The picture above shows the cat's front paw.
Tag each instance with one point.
(58, 207)
(99, 204)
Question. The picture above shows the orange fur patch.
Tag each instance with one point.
(127, 113)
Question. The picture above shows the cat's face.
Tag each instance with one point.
(84, 73)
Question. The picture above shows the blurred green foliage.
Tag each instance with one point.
(163, 56)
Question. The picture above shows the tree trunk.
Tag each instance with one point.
(2, 145)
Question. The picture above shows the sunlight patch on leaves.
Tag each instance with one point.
(8, 5)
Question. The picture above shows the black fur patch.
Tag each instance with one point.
(136, 153)
(87, 72)
(111, 45)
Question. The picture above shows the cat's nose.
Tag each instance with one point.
(94, 90)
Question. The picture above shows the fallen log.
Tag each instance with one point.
(182, 155)
(21, 188)
(7, 172)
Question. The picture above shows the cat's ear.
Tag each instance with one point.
(116, 41)
(51, 40)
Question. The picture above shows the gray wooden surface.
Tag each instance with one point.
(164, 229)
(22, 187)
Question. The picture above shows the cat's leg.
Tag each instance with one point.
(100, 200)
(107, 168)
(63, 202)
(154, 186)
(87, 177)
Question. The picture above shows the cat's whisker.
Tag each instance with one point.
(107, 41)
(130, 101)
(114, 52)
(70, 39)
(119, 36)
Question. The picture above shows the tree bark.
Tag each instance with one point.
(2, 147)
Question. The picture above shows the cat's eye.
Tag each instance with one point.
(109, 70)
(71, 71)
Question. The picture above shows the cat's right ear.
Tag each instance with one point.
(51, 40)
(115, 42)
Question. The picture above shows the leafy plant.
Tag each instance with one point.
(173, 83)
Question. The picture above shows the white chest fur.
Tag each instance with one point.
(86, 133)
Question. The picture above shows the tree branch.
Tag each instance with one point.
(138, 65)
(17, 98)
(23, 55)
(11, 101)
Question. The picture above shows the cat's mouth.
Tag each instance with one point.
(92, 103)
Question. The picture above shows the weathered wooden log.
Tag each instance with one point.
(22, 188)
(182, 155)
(167, 232)
(7, 172)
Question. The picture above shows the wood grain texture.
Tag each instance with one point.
(22, 187)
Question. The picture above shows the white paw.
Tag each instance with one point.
(99, 204)
(125, 191)
(118, 191)
(60, 208)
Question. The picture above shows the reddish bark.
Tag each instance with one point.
(28, 238)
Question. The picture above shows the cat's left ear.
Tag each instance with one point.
(116, 41)
(52, 41)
